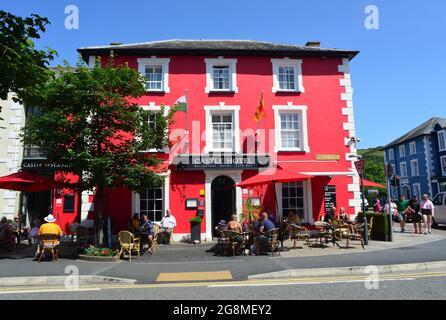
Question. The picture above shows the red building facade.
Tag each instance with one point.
(308, 127)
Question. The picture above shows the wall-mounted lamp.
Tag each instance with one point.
(352, 141)
(59, 192)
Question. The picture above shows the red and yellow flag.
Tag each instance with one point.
(260, 112)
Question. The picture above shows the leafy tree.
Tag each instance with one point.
(21, 65)
(374, 171)
(91, 125)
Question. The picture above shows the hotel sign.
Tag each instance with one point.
(39, 165)
(223, 161)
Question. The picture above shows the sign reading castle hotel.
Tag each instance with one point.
(307, 111)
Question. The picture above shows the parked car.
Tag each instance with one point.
(440, 209)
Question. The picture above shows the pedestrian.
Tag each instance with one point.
(377, 205)
(414, 212)
(393, 209)
(402, 205)
(427, 210)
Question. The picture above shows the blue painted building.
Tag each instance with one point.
(419, 159)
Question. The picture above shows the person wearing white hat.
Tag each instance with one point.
(50, 227)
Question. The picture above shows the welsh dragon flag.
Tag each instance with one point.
(181, 103)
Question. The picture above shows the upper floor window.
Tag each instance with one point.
(154, 113)
(414, 168)
(287, 75)
(403, 169)
(156, 72)
(402, 150)
(221, 75)
(443, 166)
(391, 154)
(413, 148)
(222, 128)
(442, 140)
(291, 128)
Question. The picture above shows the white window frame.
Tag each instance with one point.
(391, 154)
(416, 189)
(231, 63)
(443, 169)
(412, 166)
(443, 134)
(402, 171)
(403, 149)
(412, 148)
(164, 63)
(221, 109)
(303, 130)
(404, 187)
(298, 78)
(308, 203)
(152, 107)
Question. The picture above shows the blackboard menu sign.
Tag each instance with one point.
(329, 197)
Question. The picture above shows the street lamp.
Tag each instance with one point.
(360, 168)
(389, 173)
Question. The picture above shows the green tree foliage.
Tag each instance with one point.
(90, 124)
(21, 65)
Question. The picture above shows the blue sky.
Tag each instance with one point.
(398, 78)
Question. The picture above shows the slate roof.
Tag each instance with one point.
(216, 47)
(424, 129)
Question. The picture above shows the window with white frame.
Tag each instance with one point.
(442, 140)
(403, 169)
(221, 75)
(151, 203)
(416, 189)
(402, 151)
(156, 73)
(391, 154)
(222, 132)
(287, 75)
(222, 128)
(293, 198)
(443, 165)
(291, 128)
(412, 148)
(414, 168)
(393, 169)
(154, 111)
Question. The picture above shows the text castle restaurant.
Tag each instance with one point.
(306, 126)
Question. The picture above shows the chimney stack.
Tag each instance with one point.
(314, 44)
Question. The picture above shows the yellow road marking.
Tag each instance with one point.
(243, 282)
(194, 276)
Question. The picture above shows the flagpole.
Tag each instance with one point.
(187, 111)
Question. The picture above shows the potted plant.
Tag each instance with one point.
(92, 253)
(250, 214)
(195, 229)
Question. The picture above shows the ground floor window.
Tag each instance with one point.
(293, 198)
(417, 190)
(151, 203)
(405, 191)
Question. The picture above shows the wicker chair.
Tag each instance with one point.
(273, 240)
(232, 242)
(299, 233)
(128, 243)
(49, 244)
(356, 234)
(155, 238)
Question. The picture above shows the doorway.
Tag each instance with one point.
(223, 200)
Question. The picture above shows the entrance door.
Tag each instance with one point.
(223, 199)
(38, 205)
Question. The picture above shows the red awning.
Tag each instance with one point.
(368, 183)
(28, 182)
(318, 168)
(273, 175)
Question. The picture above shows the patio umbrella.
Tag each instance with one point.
(368, 183)
(28, 182)
(273, 175)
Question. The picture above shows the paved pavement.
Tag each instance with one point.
(407, 248)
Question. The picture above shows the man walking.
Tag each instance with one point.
(168, 223)
(402, 205)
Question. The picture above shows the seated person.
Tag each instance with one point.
(18, 230)
(168, 223)
(6, 236)
(329, 217)
(262, 226)
(134, 223)
(34, 231)
(50, 227)
(234, 225)
(344, 216)
(147, 232)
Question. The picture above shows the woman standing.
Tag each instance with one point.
(427, 210)
(414, 211)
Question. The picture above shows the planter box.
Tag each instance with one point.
(99, 258)
(195, 232)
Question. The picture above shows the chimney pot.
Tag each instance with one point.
(315, 44)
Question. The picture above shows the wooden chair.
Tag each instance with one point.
(299, 233)
(128, 243)
(324, 232)
(369, 228)
(356, 234)
(49, 244)
(155, 238)
(232, 242)
(273, 237)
